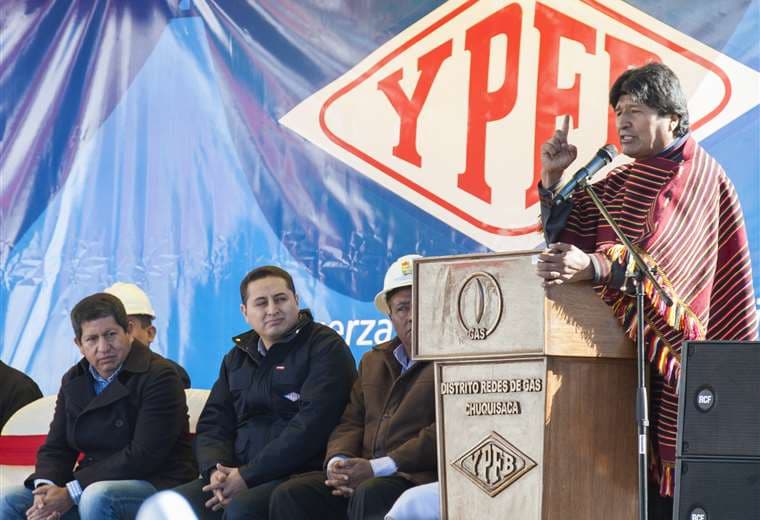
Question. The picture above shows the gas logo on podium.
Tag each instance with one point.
(480, 305)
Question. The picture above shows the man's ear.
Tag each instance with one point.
(674, 120)
(151, 332)
(242, 310)
(78, 343)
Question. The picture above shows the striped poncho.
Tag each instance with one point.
(681, 212)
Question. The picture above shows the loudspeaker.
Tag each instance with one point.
(719, 400)
(718, 445)
(717, 490)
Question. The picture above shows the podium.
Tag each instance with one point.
(535, 392)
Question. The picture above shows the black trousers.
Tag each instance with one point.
(660, 508)
(251, 504)
(306, 497)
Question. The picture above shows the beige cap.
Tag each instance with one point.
(134, 299)
(399, 274)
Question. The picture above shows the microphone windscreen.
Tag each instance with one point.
(610, 150)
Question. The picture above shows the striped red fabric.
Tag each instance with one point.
(20, 450)
(682, 212)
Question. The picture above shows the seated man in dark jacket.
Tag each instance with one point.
(16, 391)
(385, 442)
(280, 392)
(123, 409)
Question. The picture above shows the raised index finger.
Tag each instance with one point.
(565, 126)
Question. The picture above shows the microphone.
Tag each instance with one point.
(602, 158)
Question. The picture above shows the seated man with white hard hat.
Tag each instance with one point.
(385, 442)
(140, 314)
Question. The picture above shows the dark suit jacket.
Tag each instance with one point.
(16, 390)
(137, 428)
(184, 377)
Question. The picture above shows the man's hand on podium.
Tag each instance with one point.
(563, 263)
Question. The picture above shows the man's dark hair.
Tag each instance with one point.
(145, 320)
(95, 307)
(656, 86)
(263, 272)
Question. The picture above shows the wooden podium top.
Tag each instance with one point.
(493, 305)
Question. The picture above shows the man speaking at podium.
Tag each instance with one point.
(680, 210)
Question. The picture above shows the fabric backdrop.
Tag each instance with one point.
(178, 144)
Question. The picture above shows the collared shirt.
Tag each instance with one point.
(676, 146)
(400, 354)
(99, 383)
(262, 348)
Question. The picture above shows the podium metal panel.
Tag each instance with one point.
(491, 431)
(477, 306)
(536, 438)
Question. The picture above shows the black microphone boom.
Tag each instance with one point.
(602, 158)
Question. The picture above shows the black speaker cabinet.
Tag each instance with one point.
(718, 445)
(719, 400)
(717, 489)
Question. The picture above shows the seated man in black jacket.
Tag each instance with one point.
(16, 391)
(122, 408)
(281, 390)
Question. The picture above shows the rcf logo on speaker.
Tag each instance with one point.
(705, 399)
(698, 514)
(451, 113)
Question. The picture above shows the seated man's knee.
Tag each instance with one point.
(367, 497)
(96, 496)
(239, 509)
(283, 494)
(235, 509)
(113, 497)
(14, 502)
(251, 504)
(366, 487)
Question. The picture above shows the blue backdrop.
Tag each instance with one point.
(140, 141)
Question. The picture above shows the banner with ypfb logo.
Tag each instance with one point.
(179, 144)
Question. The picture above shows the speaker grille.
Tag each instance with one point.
(717, 490)
(720, 400)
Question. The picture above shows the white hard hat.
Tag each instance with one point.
(399, 274)
(134, 299)
(166, 505)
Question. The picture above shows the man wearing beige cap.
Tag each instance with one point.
(385, 441)
(140, 314)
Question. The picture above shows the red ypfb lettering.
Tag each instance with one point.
(551, 100)
(408, 109)
(485, 106)
(623, 55)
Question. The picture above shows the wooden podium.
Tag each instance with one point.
(535, 392)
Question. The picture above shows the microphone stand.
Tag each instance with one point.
(642, 272)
